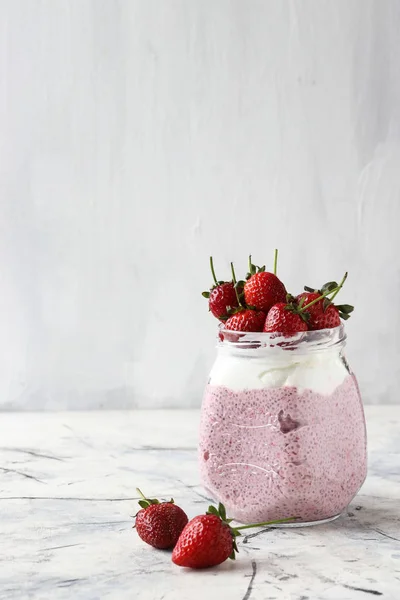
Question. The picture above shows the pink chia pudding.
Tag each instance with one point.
(282, 452)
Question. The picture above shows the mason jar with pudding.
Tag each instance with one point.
(282, 426)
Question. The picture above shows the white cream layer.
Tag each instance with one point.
(322, 373)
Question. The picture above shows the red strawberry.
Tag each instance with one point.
(285, 318)
(316, 309)
(222, 297)
(208, 540)
(262, 289)
(323, 314)
(327, 319)
(160, 524)
(246, 320)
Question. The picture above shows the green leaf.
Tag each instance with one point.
(331, 285)
(345, 308)
(261, 269)
(309, 289)
(205, 294)
(305, 316)
(144, 503)
(235, 532)
(222, 511)
(326, 303)
(344, 316)
(234, 547)
(212, 510)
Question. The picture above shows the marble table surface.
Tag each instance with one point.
(67, 493)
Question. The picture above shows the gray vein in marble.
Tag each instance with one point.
(247, 537)
(390, 537)
(58, 547)
(77, 437)
(358, 589)
(5, 470)
(32, 453)
(253, 575)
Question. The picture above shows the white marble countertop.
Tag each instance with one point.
(67, 493)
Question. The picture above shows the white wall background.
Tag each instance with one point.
(139, 136)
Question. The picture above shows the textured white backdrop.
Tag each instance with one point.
(139, 136)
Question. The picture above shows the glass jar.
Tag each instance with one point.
(282, 429)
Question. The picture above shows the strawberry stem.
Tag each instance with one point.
(275, 260)
(234, 284)
(212, 270)
(146, 502)
(235, 531)
(250, 265)
(339, 286)
(303, 308)
(141, 494)
(266, 523)
(233, 274)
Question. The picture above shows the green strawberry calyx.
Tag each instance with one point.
(235, 531)
(253, 269)
(146, 502)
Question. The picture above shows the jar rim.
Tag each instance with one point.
(303, 341)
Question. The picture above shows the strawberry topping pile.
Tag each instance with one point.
(261, 303)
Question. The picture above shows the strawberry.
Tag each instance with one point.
(327, 319)
(246, 320)
(316, 309)
(285, 318)
(222, 297)
(160, 524)
(208, 540)
(262, 289)
(323, 314)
